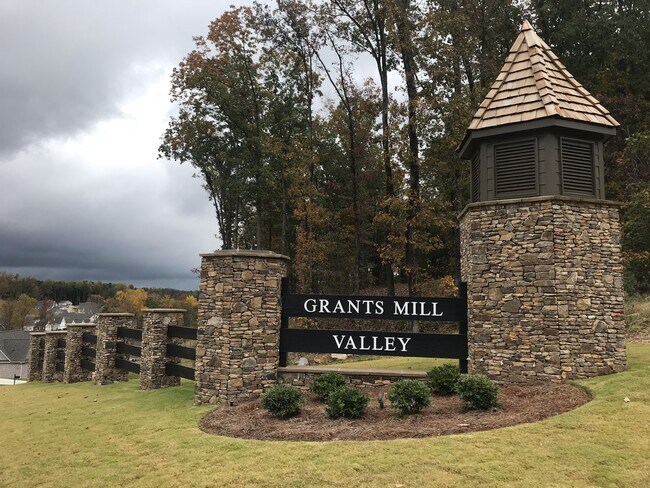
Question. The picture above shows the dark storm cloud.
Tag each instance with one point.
(67, 63)
(82, 195)
(146, 228)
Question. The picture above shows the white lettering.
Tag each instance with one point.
(310, 305)
(422, 314)
(401, 310)
(379, 308)
(338, 308)
(336, 339)
(324, 306)
(375, 347)
(352, 306)
(390, 343)
(350, 344)
(367, 303)
(404, 342)
(363, 342)
(435, 310)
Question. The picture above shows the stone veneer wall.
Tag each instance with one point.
(36, 344)
(545, 288)
(237, 352)
(155, 323)
(106, 331)
(73, 372)
(50, 373)
(303, 376)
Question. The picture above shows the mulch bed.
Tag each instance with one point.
(517, 405)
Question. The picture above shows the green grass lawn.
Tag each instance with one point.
(415, 364)
(86, 435)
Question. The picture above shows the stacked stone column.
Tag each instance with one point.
(237, 352)
(155, 324)
(36, 345)
(73, 372)
(545, 288)
(50, 373)
(106, 331)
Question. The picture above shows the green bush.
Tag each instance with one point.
(442, 380)
(477, 392)
(327, 383)
(348, 402)
(283, 401)
(409, 396)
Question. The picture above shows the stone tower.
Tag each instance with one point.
(540, 245)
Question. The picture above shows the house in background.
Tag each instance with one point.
(63, 313)
(14, 351)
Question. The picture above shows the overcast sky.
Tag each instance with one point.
(83, 103)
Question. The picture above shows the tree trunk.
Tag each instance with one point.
(382, 65)
(408, 61)
(355, 204)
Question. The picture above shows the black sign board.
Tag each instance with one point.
(372, 342)
(375, 307)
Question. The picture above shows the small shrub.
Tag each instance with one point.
(327, 383)
(409, 396)
(477, 392)
(348, 402)
(283, 401)
(442, 380)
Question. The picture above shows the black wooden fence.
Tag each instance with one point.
(128, 351)
(180, 352)
(59, 364)
(88, 351)
(41, 353)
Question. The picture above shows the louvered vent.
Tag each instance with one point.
(516, 168)
(476, 182)
(577, 167)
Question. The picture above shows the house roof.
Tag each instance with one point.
(533, 84)
(89, 307)
(74, 317)
(14, 345)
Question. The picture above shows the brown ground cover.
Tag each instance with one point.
(517, 405)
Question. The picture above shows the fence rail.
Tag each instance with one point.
(127, 365)
(174, 350)
(88, 351)
(87, 365)
(89, 338)
(182, 332)
(172, 369)
(123, 348)
(126, 333)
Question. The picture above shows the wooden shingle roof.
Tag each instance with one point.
(534, 84)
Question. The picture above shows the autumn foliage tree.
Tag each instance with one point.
(327, 130)
(129, 301)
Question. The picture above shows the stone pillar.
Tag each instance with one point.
(106, 331)
(36, 351)
(154, 347)
(50, 372)
(73, 372)
(545, 288)
(237, 350)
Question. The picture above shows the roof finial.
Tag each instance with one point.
(525, 26)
